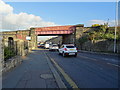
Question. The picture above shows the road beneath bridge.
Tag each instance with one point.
(87, 70)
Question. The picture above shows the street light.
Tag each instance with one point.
(116, 24)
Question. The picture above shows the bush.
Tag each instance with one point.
(8, 53)
(83, 40)
(95, 25)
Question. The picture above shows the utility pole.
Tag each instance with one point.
(116, 24)
(108, 22)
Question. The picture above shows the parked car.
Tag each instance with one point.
(53, 47)
(68, 49)
(40, 45)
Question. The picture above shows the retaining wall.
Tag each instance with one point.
(11, 63)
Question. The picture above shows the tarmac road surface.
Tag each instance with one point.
(90, 70)
(87, 70)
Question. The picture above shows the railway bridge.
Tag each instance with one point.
(23, 40)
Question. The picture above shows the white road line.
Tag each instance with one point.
(88, 58)
(101, 68)
(96, 60)
(108, 59)
(113, 64)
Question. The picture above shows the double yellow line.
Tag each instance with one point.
(68, 79)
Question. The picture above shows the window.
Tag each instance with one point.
(70, 46)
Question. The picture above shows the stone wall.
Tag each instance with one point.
(33, 41)
(100, 46)
(55, 40)
(20, 44)
(11, 63)
(80, 31)
(68, 39)
(64, 39)
(96, 45)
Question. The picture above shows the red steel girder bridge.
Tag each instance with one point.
(55, 30)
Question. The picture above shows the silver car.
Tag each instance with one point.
(53, 47)
(68, 49)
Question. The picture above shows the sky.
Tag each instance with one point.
(59, 0)
(68, 13)
(119, 14)
(23, 15)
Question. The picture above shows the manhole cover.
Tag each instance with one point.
(46, 76)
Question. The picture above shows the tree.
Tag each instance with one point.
(95, 25)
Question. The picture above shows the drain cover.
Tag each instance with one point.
(46, 76)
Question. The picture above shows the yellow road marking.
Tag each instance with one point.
(41, 49)
(68, 79)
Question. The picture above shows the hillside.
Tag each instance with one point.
(99, 38)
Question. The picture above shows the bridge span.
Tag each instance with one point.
(17, 39)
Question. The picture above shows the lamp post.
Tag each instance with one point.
(116, 24)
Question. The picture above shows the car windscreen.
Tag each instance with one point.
(70, 46)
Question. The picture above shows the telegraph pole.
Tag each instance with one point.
(116, 24)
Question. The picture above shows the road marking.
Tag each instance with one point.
(88, 58)
(41, 49)
(101, 68)
(68, 79)
(113, 64)
(55, 73)
(96, 60)
(108, 59)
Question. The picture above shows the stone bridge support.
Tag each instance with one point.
(68, 39)
(78, 33)
(33, 41)
(73, 38)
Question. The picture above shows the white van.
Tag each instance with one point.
(47, 46)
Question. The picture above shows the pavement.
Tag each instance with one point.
(34, 72)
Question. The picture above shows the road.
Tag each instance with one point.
(90, 70)
(86, 70)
